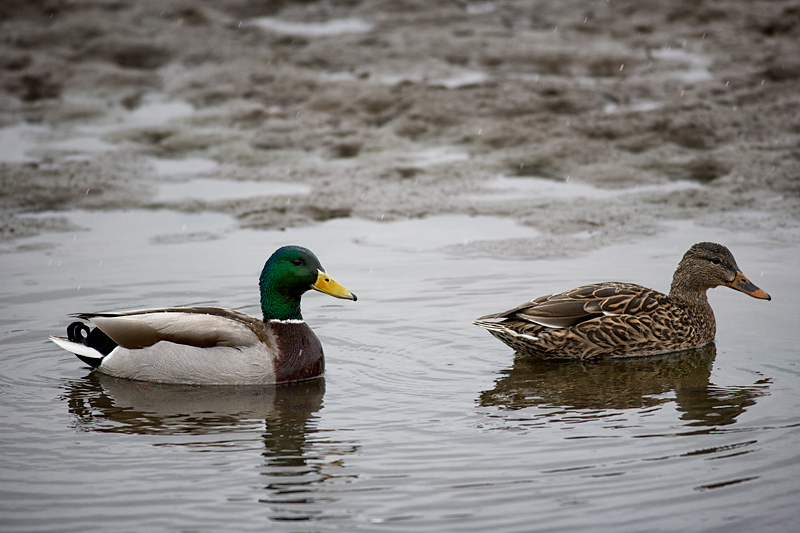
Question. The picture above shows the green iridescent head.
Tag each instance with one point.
(287, 274)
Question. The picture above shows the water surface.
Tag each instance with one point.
(422, 421)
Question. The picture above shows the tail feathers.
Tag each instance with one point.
(87, 354)
(492, 326)
(499, 330)
(91, 346)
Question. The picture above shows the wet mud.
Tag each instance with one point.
(593, 122)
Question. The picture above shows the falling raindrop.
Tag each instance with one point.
(622, 66)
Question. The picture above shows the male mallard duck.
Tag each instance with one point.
(624, 319)
(212, 345)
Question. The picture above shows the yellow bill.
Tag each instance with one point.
(328, 285)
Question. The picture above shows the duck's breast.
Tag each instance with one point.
(300, 353)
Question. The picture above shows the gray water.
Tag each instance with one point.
(422, 421)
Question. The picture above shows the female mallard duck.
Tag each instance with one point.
(211, 345)
(624, 319)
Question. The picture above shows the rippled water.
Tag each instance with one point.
(422, 422)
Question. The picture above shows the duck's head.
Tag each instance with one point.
(707, 265)
(287, 274)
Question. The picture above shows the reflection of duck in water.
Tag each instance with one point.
(107, 404)
(211, 345)
(632, 383)
(297, 458)
(623, 319)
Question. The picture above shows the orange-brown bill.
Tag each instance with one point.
(741, 283)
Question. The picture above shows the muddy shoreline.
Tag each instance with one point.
(593, 122)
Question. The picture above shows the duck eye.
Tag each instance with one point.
(297, 262)
(716, 261)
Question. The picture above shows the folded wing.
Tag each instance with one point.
(202, 327)
(573, 307)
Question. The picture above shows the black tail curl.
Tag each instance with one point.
(93, 338)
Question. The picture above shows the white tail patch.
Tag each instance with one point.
(77, 348)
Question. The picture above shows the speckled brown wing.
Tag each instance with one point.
(584, 303)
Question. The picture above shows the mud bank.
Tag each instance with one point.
(591, 121)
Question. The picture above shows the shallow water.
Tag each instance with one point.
(422, 421)
(314, 29)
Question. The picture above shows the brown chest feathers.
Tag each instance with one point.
(299, 352)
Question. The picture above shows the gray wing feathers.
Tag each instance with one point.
(142, 329)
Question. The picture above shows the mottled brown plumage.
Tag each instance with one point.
(624, 319)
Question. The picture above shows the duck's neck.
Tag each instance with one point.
(684, 289)
(695, 303)
(277, 304)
